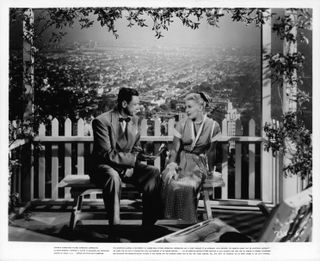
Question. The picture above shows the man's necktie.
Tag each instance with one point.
(125, 122)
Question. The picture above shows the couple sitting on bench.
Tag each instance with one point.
(174, 194)
(117, 156)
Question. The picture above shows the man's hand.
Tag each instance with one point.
(129, 172)
(145, 157)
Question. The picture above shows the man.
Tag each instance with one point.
(116, 157)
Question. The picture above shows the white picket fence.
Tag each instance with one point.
(67, 153)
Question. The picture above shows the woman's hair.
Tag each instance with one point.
(196, 97)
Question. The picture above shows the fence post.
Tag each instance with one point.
(55, 160)
(238, 158)
(171, 123)
(67, 154)
(225, 167)
(252, 159)
(144, 127)
(42, 164)
(80, 158)
(157, 132)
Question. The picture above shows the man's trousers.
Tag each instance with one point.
(145, 178)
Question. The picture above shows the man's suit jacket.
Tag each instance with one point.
(111, 145)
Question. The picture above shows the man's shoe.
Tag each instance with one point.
(113, 234)
(113, 239)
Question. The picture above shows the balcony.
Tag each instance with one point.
(42, 209)
(63, 148)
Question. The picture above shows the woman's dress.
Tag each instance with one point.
(179, 193)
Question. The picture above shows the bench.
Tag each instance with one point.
(207, 189)
(81, 186)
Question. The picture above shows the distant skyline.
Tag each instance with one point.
(229, 33)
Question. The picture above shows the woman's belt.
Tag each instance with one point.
(189, 151)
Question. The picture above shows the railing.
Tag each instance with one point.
(66, 148)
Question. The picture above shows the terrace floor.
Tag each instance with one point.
(49, 223)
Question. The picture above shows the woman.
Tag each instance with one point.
(193, 143)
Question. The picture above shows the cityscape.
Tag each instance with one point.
(163, 75)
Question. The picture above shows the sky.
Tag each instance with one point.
(229, 33)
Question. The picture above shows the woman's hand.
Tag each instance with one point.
(129, 172)
(170, 172)
(173, 166)
(215, 178)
